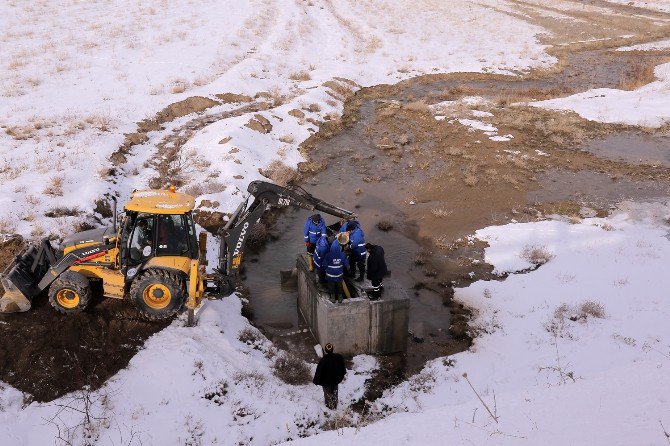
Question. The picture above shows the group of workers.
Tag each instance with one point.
(344, 254)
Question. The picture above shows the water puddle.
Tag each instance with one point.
(633, 148)
(594, 188)
(381, 183)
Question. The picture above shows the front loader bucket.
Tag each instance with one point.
(22, 277)
(13, 301)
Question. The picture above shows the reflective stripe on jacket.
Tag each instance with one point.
(335, 262)
(314, 231)
(322, 248)
(357, 241)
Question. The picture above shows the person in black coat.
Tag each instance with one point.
(329, 374)
(376, 269)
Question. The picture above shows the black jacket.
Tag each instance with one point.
(376, 263)
(330, 371)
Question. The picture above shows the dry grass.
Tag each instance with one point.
(471, 180)
(638, 74)
(417, 106)
(287, 139)
(300, 76)
(441, 212)
(100, 122)
(537, 255)
(7, 226)
(55, 187)
(279, 173)
(62, 211)
(179, 86)
(592, 309)
(291, 370)
(339, 90)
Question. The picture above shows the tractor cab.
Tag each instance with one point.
(156, 224)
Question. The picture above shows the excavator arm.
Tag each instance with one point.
(265, 196)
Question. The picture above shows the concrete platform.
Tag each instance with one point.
(357, 325)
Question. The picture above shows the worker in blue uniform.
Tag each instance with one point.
(315, 227)
(335, 262)
(322, 248)
(357, 252)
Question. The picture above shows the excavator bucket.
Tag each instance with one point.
(22, 277)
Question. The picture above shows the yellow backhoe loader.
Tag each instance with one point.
(154, 258)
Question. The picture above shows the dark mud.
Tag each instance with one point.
(47, 354)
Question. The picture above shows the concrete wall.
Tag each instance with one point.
(357, 325)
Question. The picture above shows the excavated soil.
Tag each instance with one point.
(47, 354)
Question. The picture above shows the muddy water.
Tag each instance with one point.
(633, 148)
(362, 178)
(594, 189)
(580, 72)
(275, 308)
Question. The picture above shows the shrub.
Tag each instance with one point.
(62, 211)
(384, 225)
(537, 255)
(55, 186)
(591, 308)
(103, 207)
(291, 370)
(300, 76)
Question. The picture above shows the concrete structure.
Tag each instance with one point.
(357, 325)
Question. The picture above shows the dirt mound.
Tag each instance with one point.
(48, 354)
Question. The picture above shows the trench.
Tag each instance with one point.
(381, 185)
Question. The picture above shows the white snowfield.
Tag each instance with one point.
(76, 76)
(600, 379)
(647, 106)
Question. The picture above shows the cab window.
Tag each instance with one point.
(192, 236)
(141, 241)
(172, 235)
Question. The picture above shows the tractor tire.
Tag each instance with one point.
(158, 294)
(70, 292)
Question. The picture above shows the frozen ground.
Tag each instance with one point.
(77, 76)
(647, 106)
(574, 352)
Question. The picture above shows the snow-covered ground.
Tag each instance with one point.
(647, 106)
(204, 385)
(574, 352)
(77, 76)
(657, 5)
(660, 45)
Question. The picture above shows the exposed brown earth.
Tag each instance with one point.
(47, 354)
